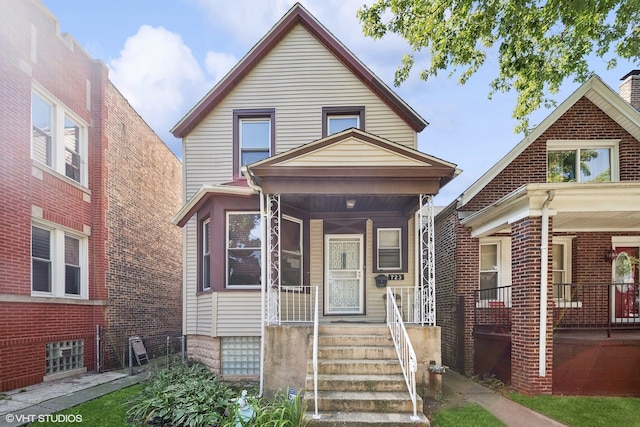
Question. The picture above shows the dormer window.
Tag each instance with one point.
(337, 119)
(582, 161)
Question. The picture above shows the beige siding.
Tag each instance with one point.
(297, 78)
(238, 314)
(198, 308)
(316, 244)
(352, 152)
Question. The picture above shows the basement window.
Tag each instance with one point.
(64, 356)
(240, 355)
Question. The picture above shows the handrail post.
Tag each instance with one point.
(316, 415)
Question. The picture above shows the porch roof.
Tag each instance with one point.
(351, 162)
(610, 206)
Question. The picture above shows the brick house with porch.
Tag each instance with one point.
(538, 258)
(87, 192)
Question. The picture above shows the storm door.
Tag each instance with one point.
(625, 292)
(344, 290)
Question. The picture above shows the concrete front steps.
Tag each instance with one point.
(360, 381)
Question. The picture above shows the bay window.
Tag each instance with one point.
(244, 255)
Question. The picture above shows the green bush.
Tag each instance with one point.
(279, 412)
(181, 396)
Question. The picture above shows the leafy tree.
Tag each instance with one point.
(539, 43)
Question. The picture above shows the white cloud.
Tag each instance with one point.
(218, 64)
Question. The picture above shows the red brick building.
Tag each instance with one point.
(537, 261)
(87, 192)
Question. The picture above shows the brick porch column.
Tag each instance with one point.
(525, 300)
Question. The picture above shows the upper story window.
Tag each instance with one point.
(337, 119)
(59, 262)
(582, 161)
(244, 255)
(389, 248)
(495, 269)
(59, 140)
(253, 137)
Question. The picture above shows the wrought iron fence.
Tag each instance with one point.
(492, 307)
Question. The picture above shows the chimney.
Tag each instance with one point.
(630, 88)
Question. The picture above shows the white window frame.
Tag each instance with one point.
(503, 258)
(256, 286)
(241, 149)
(206, 256)
(577, 144)
(57, 260)
(399, 248)
(301, 254)
(59, 113)
(336, 116)
(566, 242)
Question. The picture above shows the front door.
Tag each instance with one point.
(626, 294)
(344, 290)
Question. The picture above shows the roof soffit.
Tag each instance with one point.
(297, 15)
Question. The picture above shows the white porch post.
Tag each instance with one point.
(427, 284)
(273, 258)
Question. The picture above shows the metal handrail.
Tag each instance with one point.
(315, 355)
(402, 343)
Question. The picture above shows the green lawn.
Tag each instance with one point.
(465, 416)
(108, 410)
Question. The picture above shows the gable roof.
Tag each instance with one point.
(595, 90)
(368, 163)
(297, 15)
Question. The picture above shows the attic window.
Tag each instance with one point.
(582, 161)
(337, 119)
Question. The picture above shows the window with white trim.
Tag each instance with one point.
(206, 256)
(563, 290)
(255, 139)
(389, 251)
(291, 237)
(582, 161)
(337, 119)
(59, 261)
(244, 243)
(58, 138)
(495, 271)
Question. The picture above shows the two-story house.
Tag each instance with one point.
(538, 259)
(303, 186)
(88, 256)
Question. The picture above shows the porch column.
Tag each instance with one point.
(273, 258)
(526, 375)
(427, 283)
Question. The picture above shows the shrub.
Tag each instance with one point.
(282, 411)
(181, 396)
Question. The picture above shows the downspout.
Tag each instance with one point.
(544, 269)
(263, 275)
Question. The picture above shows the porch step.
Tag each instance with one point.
(365, 419)
(360, 381)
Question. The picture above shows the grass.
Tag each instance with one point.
(585, 411)
(108, 410)
(472, 415)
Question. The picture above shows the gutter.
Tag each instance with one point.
(544, 269)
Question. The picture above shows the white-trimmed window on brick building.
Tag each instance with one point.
(59, 260)
(495, 272)
(582, 161)
(240, 355)
(59, 138)
(563, 290)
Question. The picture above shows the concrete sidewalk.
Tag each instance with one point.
(458, 390)
(18, 407)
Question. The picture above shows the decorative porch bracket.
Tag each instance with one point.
(427, 285)
(273, 259)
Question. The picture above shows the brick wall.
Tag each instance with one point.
(630, 90)
(143, 192)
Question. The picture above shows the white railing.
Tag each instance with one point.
(406, 354)
(409, 303)
(315, 354)
(298, 304)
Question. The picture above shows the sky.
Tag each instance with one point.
(165, 55)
